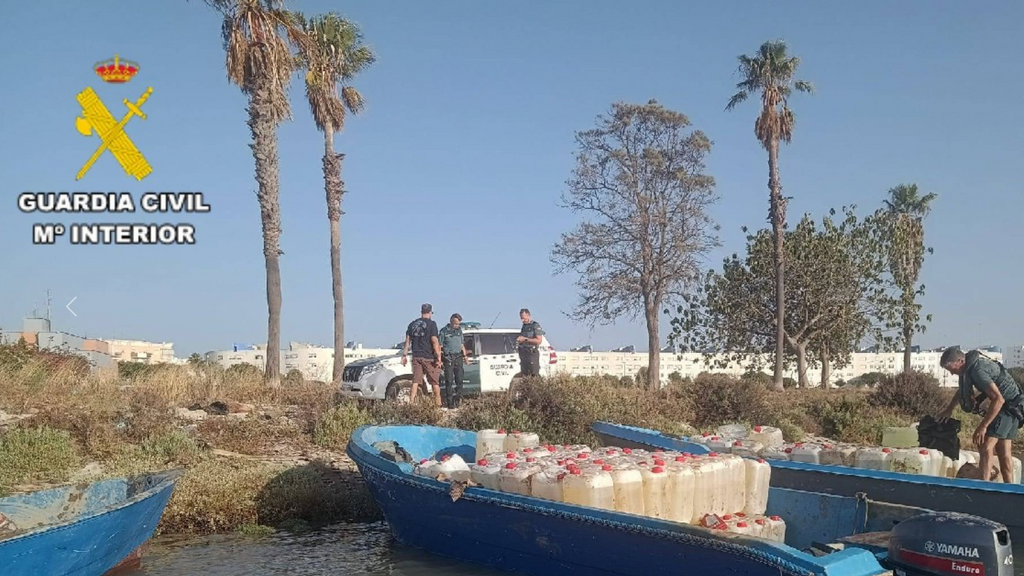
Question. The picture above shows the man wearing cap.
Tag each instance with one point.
(453, 350)
(1003, 417)
(426, 352)
(529, 339)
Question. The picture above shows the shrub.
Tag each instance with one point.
(719, 398)
(836, 414)
(913, 394)
(867, 428)
(492, 412)
(36, 455)
(335, 428)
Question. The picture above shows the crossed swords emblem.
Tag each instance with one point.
(96, 118)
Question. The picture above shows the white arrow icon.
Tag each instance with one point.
(69, 306)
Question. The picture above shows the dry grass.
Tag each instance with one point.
(129, 425)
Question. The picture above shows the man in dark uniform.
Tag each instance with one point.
(453, 354)
(1003, 416)
(529, 339)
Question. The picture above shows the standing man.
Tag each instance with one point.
(426, 352)
(999, 426)
(529, 339)
(453, 350)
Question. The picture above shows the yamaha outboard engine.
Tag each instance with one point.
(950, 543)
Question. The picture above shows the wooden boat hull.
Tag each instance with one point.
(83, 530)
(542, 537)
(1003, 503)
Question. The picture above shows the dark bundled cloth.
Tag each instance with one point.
(944, 437)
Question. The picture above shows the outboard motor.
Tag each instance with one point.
(947, 543)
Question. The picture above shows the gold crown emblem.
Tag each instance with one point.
(116, 71)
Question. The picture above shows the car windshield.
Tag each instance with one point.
(497, 343)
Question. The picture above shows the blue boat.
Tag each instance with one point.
(84, 529)
(543, 537)
(1002, 503)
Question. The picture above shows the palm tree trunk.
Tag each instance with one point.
(333, 185)
(653, 347)
(264, 150)
(778, 217)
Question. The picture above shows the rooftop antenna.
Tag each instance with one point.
(47, 304)
(495, 320)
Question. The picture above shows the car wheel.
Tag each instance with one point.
(399, 390)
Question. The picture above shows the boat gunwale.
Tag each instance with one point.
(170, 477)
(961, 483)
(850, 562)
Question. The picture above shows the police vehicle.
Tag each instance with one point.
(494, 363)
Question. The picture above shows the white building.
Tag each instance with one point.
(142, 351)
(1014, 356)
(690, 365)
(314, 362)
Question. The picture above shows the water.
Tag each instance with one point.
(352, 550)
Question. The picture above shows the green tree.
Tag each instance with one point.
(334, 57)
(640, 178)
(901, 230)
(195, 359)
(770, 74)
(257, 34)
(830, 276)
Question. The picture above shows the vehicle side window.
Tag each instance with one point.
(469, 343)
(496, 344)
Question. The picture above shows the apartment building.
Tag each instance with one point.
(142, 351)
(1014, 356)
(39, 332)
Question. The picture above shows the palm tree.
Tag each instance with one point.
(334, 56)
(770, 73)
(256, 37)
(904, 213)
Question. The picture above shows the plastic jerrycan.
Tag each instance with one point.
(680, 490)
(873, 458)
(720, 444)
(514, 478)
(775, 453)
(737, 492)
(838, 455)
(628, 487)
(747, 449)
(426, 467)
(911, 461)
(720, 496)
(734, 431)
(518, 440)
(758, 480)
(703, 488)
(485, 473)
(935, 458)
(453, 467)
(547, 483)
(656, 483)
(900, 437)
(776, 529)
(490, 441)
(766, 435)
(592, 488)
(809, 453)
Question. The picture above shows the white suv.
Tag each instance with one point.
(494, 363)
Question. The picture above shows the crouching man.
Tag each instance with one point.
(1003, 417)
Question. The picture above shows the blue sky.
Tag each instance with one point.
(456, 167)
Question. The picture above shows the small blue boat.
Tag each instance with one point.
(84, 529)
(1002, 503)
(543, 537)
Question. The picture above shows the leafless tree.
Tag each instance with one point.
(640, 184)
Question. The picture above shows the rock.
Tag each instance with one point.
(191, 415)
(238, 415)
(191, 429)
(217, 408)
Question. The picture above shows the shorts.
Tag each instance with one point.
(425, 366)
(1004, 427)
